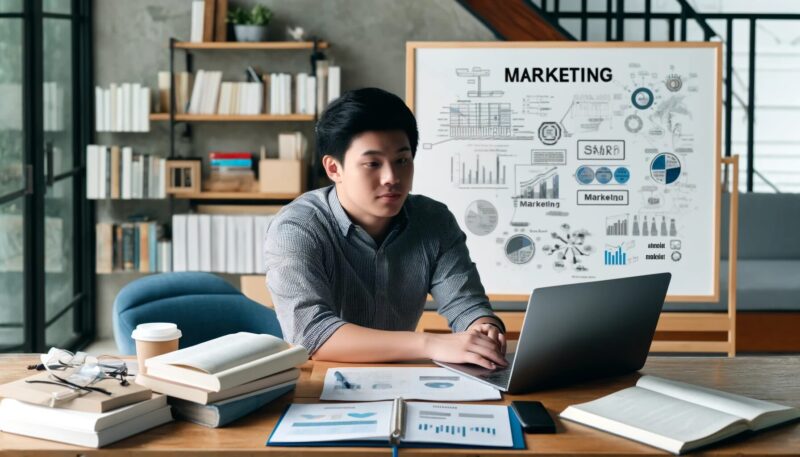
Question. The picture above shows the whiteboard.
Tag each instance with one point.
(571, 162)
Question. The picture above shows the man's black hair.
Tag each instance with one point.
(362, 110)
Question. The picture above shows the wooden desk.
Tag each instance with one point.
(768, 378)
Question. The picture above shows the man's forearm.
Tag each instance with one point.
(353, 343)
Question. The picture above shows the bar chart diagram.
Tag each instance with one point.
(482, 172)
(615, 256)
(536, 183)
(617, 225)
(456, 430)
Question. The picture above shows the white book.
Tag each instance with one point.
(260, 225)
(322, 85)
(179, 242)
(300, 93)
(91, 172)
(273, 93)
(136, 105)
(227, 361)
(205, 397)
(230, 244)
(218, 242)
(311, 95)
(101, 171)
(144, 112)
(106, 110)
(197, 91)
(204, 221)
(198, 13)
(677, 416)
(258, 103)
(99, 114)
(334, 83)
(89, 439)
(126, 108)
(113, 97)
(78, 420)
(127, 173)
(212, 94)
(224, 98)
(248, 226)
(192, 243)
(162, 178)
(164, 256)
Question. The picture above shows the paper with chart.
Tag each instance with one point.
(572, 164)
(308, 423)
(477, 425)
(386, 383)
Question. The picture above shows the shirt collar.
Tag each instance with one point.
(344, 222)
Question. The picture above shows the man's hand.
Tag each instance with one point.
(471, 346)
(489, 328)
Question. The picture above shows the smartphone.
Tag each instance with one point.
(533, 417)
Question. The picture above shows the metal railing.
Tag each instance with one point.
(615, 16)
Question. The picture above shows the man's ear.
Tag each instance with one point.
(332, 168)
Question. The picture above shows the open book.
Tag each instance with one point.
(407, 424)
(676, 416)
(227, 361)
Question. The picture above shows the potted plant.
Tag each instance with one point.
(250, 25)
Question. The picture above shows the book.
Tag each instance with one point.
(94, 439)
(224, 412)
(205, 397)
(227, 361)
(198, 12)
(220, 22)
(92, 402)
(209, 20)
(78, 420)
(399, 423)
(676, 416)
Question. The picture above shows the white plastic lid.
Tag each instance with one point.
(156, 331)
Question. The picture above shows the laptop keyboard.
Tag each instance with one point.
(499, 377)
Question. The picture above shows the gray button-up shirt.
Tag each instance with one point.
(324, 271)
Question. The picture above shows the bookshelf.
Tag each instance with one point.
(159, 117)
(244, 46)
(212, 195)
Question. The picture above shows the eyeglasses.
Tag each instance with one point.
(78, 373)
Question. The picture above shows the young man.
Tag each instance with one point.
(349, 266)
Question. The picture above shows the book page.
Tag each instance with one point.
(224, 352)
(320, 422)
(475, 425)
(657, 414)
(737, 405)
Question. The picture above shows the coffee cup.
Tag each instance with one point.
(154, 338)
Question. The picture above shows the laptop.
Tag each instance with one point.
(579, 331)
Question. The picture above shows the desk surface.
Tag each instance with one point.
(767, 378)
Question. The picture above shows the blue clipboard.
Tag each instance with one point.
(517, 437)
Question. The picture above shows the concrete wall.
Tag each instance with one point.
(368, 41)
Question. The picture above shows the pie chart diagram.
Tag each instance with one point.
(665, 168)
(481, 217)
(520, 249)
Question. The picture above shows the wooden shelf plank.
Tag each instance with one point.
(233, 117)
(267, 45)
(237, 196)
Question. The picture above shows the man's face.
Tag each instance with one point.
(376, 177)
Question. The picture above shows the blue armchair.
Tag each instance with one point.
(204, 306)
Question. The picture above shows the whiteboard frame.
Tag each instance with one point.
(413, 46)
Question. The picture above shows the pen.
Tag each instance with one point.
(340, 377)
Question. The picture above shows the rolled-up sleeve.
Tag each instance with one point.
(456, 284)
(299, 284)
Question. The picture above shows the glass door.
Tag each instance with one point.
(14, 180)
(45, 254)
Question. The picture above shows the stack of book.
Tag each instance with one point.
(231, 171)
(221, 380)
(183, 82)
(222, 243)
(92, 420)
(122, 108)
(120, 173)
(132, 246)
